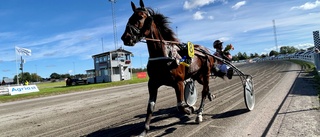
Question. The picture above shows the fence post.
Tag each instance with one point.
(316, 39)
(317, 62)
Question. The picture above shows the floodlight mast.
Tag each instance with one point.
(114, 24)
(275, 35)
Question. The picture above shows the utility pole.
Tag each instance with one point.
(102, 44)
(275, 35)
(114, 24)
(21, 68)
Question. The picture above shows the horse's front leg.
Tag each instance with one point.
(153, 92)
(205, 93)
(181, 104)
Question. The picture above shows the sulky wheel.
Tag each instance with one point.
(249, 97)
(190, 93)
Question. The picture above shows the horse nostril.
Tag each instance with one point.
(123, 37)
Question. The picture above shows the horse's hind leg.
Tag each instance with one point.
(153, 92)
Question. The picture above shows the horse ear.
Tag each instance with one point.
(141, 4)
(133, 6)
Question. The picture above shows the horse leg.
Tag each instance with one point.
(181, 104)
(205, 93)
(153, 92)
(200, 110)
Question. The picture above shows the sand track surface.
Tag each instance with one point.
(120, 111)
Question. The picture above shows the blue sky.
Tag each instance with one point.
(64, 34)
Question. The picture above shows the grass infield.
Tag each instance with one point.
(56, 88)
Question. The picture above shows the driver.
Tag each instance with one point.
(220, 68)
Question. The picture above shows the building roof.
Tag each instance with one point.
(117, 50)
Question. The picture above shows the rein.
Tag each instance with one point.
(164, 42)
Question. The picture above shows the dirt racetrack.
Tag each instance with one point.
(120, 111)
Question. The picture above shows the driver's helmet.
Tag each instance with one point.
(216, 44)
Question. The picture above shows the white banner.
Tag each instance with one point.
(23, 51)
(4, 91)
(22, 89)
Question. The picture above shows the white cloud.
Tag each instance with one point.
(210, 17)
(308, 5)
(198, 15)
(70, 71)
(224, 39)
(192, 4)
(238, 5)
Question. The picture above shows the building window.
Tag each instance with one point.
(116, 70)
(98, 73)
(104, 72)
(127, 56)
(97, 60)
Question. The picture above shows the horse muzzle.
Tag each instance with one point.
(131, 35)
(128, 40)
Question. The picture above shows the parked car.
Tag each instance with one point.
(75, 81)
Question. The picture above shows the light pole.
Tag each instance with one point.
(37, 73)
(74, 70)
(114, 24)
(21, 68)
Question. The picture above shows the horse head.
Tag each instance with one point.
(138, 26)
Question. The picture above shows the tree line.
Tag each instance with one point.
(33, 77)
(283, 50)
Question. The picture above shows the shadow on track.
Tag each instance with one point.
(231, 113)
(126, 130)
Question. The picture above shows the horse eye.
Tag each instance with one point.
(139, 17)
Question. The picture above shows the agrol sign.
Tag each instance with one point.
(22, 89)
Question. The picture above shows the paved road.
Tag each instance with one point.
(120, 111)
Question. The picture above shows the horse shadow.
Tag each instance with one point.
(133, 129)
(231, 113)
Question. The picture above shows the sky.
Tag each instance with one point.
(64, 34)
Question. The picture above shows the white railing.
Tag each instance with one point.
(308, 56)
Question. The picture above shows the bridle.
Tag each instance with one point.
(137, 34)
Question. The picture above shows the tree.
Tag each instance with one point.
(251, 55)
(273, 53)
(245, 56)
(35, 77)
(256, 55)
(65, 75)
(235, 58)
(288, 49)
(22, 77)
(55, 76)
(240, 56)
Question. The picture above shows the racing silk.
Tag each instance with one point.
(220, 54)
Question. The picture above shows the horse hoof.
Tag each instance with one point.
(211, 97)
(193, 109)
(143, 134)
(187, 111)
(184, 109)
(199, 119)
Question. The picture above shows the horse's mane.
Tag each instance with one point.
(162, 23)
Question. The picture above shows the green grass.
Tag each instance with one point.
(56, 88)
